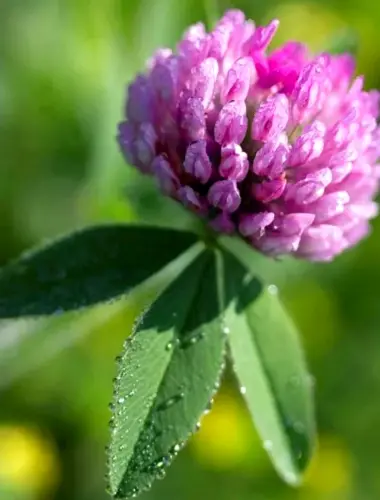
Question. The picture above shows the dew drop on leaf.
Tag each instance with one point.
(170, 402)
(192, 340)
(267, 445)
(161, 474)
(209, 406)
(273, 289)
(176, 448)
(132, 493)
(290, 477)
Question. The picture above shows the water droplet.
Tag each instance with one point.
(226, 330)
(273, 289)
(216, 386)
(268, 445)
(169, 346)
(243, 389)
(131, 493)
(191, 340)
(118, 359)
(176, 448)
(111, 406)
(197, 426)
(209, 406)
(161, 474)
(159, 464)
(170, 402)
(290, 477)
(121, 400)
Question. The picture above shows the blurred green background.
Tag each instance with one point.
(63, 69)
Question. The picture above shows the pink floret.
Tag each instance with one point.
(278, 148)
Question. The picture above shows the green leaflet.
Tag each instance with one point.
(271, 371)
(167, 375)
(87, 267)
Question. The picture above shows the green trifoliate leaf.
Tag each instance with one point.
(87, 267)
(270, 367)
(167, 375)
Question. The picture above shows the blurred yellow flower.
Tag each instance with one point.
(28, 460)
(226, 439)
(330, 471)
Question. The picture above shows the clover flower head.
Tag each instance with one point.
(279, 148)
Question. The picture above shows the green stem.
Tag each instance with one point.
(207, 235)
